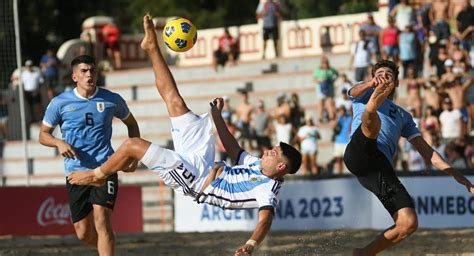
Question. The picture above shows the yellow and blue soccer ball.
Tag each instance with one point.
(179, 34)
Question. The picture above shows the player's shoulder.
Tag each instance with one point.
(108, 94)
(63, 97)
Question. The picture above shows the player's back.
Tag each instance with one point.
(242, 186)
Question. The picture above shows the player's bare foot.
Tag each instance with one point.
(84, 178)
(380, 93)
(149, 42)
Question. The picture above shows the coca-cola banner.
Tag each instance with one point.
(45, 211)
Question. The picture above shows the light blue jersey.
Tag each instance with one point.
(395, 122)
(242, 186)
(86, 124)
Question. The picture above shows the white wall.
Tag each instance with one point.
(335, 204)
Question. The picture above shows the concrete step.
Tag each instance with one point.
(145, 75)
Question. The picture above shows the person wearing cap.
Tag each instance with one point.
(190, 169)
(377, 126)
(455, 84)
(32, 80)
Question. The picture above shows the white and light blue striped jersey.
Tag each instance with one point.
(395, 122)
(242, 186)
(86, 124)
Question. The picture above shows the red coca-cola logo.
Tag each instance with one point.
(50, 213)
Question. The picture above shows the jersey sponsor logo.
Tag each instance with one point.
(71, 109)
(50, 213)
(100, 107)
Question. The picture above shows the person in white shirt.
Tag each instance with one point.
(31, 79)
(189, 169)
(361, 54)
(308, 136)
(451, 122)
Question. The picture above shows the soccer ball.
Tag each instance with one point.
(179, 34)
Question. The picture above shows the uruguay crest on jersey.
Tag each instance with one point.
(100, 107)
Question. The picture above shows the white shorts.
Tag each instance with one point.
(185, 168)
(339, 150)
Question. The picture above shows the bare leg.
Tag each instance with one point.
(164, 80)
(103, 224)
(118, 59)
(406, 223)
(132, 149)
(370, 119)
(305, 160)
(85, 230)
(314, 164)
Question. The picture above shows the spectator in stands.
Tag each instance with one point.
(372, 32)
(50, 68)
(342, 130)
(414, 85)
(283, 130)
(458, 54)
(416, 163)
(455, 155)
(455, 83)
(408, 46)
(342, 98)
(307, 137)
(432, 94)
(439, 19)
(438, 145)
(111, 36)
(465, 25)
(403, 14)
(283, 107)
(297, 112)
(450, 120)
(32, 80)
(455, 7)
(244, 112)
(441, 57)
(227, 109)
(429, 125)
(261, 123)
(87, 47)
(325, 76)
(227, 50)
(389, 41)
(270, 12)
(361, 53)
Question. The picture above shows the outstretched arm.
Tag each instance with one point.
(230, 143)
(433, 157)
(265, 218)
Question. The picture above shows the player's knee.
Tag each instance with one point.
(132, 145)
(407, 225)
(87, 237)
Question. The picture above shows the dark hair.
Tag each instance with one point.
(87, 59)
(293, 155)
(386, 64)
